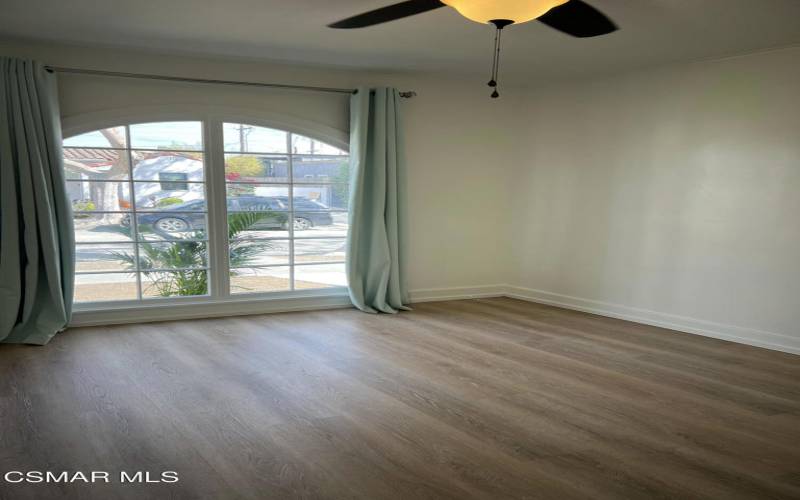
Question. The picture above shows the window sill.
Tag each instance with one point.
(111, 313)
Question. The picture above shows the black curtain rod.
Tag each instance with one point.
(118, 74)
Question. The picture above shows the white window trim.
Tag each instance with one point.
(218, 302)
(169, 309)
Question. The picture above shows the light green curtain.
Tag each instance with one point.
(375, 260)
(36, 239)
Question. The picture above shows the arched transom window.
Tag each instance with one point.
(159, 213)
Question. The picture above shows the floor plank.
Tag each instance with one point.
(488, 398)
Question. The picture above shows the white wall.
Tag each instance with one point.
(670, 196)
(456, 153)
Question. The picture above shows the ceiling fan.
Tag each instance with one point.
(573, 17)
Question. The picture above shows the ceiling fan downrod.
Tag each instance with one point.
(499, 24)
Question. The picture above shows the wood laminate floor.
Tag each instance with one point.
(491, 398)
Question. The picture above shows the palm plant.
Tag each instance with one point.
(177, 267)
(183, 256)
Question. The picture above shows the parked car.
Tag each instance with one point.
(190, 216)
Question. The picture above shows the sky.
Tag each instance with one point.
(189, 135)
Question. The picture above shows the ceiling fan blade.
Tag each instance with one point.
(579, 19)
(388, 13)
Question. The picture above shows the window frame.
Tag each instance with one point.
(212, 119)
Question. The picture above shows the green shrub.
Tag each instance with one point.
(83, 206)
(80, 208)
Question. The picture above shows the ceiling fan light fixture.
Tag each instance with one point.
(519, 11)
(572, 17)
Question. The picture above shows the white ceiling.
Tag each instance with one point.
(652, 32)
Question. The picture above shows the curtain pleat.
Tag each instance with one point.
(36, 238)
(375, 262)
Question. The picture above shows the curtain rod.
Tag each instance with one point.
(143, 76)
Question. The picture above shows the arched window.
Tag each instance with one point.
(205, 210)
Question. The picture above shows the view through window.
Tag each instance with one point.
(142, 212)
(273, 177)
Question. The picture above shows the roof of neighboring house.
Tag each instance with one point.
(96, 156)
(92, 158)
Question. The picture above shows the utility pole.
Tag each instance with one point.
(244, 131)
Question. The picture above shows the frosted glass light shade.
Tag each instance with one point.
(519, 11)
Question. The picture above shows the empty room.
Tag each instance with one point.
(383, 249)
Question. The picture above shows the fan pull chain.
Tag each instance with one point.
(499, 24)
(496, 94)
(492, 81)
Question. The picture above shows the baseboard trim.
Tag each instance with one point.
(170, 312)
(758, 338)
(457, 293)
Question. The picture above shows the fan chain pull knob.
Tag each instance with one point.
(499, 25)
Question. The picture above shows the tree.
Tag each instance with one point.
(243, 166)
(105, 194)
(341, 188)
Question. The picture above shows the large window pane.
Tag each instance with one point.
(95, 164)
(319, 276)
(250, 225)
(306, 146)
(107, 138)
(321, 197)
(268, 279)
(256, 168)
(104, 257)
(169, 196)
(99, 228)
(310, 213)
(99, 196)
(249, 197)
(249, 253)
(160, 165)
(316, 169)
(172, 225)
(242, 138)
(167, 135)
(319, 250)
(173, 255)
(336, 229)
(174, 283)
(103, 287)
